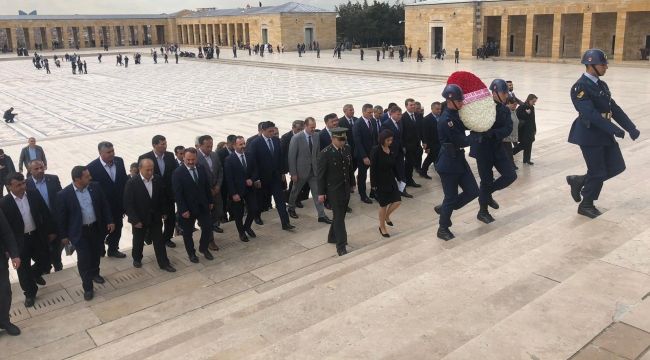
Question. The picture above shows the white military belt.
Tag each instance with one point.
(607, 116)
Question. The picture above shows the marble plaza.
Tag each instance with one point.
(539, 283)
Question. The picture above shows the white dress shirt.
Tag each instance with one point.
(25, 212)
(148, 184)
(110, 169)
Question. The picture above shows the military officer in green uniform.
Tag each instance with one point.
(335, 179)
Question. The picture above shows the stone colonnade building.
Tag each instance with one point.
(287, 24)
(551, 29)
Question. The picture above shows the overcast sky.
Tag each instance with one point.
(66, 7)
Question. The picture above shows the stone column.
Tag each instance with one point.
(140, 35)
(556, 44)
(65, 39)
(186, 29)
(30, 39)
(505, 38)
(13, 40)
(113, 35)
(529, 43)
(225, 35)
(154, 35)
(586, 32)
(80, 36)
(621, 20)
(48, 38)
(201, 35)
(236, 33)
(99, 36)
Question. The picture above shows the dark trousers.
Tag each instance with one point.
(55, 248)
(89, 252)
(603, 163)
(412, 160)
(113, 239)
(274, 188)
(153, 233)
(508, 148)
(452, 200)
(5, 291)
(400, 166)
(488, 184)
(431, 158)
(237, 208)
(362, 175)
(205, 223)
(338, 233)
(527, 147)
(26, 272)
(169, 223)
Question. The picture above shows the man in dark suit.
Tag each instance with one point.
(144, 203)
(210, 161)
(179, 151)
(325, 136)
(259, 133)
(84, 218)
(365, 138)
(109, 171)
(6, 167)
(33, 228)
(164, 165)
(48, 186)
(8, 248)
(411, 142)
(193, 198)
(223, 153)
(29, 153)
(430, 141)
(394, 124)
(240, 172)
(335, 181)
(267, 154)
(347, 121)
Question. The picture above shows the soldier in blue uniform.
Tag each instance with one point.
(452, 166)
(487, 149)
(594, 132)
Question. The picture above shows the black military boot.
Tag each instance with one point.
(587, 208)
(492, 203)
(444, 234)
(437, 209)
(576, 182)
(483, 215)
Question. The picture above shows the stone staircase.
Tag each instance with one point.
(539, 283)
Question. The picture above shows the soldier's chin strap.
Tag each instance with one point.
(453, 103)
(596, 70)
(499, 96)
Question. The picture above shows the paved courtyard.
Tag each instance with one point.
(539, 283)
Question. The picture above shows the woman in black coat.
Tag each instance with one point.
(382, 180)
(527, 128)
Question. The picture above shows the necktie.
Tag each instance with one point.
(413, 117)
(310, 144)
(194, 176)
(161, 165)
(270, 145)
(243, 161)
(111, 172)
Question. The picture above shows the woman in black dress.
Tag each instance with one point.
(527, 128)
(382, 180)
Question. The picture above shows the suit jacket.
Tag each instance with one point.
(114, 191)
(216, 174)
(139, 206)
(344, 122)
(8, 168)
(8, 243)
(324, 138)
(285, 140)
(396, 146)
(40, 213)
(53, 187)
(364, 138)
(24, 159)
(410, 132)
(69, 212)
(170, 165)
(302, 162)
(269, 165)
(430, 131)
(236, 175)
(335, 174)
(223, 154)
(189, 195)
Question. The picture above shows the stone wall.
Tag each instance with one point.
(603, 31)
(294, 25)
(638, 27)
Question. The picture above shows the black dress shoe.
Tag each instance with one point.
(299, 205)
(99, 279)
(437, 209)
(243, 237)
(424, 175)
(170, 244)
(444, 234)
(389, 223)
(484, 216)
(348, 209)
(366, 200)
(413, 184)
(406, 195)
(492, 203)
(168, 268)
(371, 195)
(342, 252)
(116, 254)
(530, 163)
(587, 208)
(386, 235)
(207, 254)
(89, 295)
(11, 329)
(325, 220)
(194, 259)
(288, 227)
(576, 182)
(39, 280)
(258, 221)
(250, 233)
(29, 301)
(217, 229)
(292, 213)
(147, 241)
(137, 264)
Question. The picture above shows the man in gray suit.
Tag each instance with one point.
(29, 153)
(210, 161)
(304, 149)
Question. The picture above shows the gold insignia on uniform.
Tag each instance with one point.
(580, 94)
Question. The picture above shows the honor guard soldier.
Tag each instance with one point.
(487, 149)
(335, 180)
(452, 166)
(594, 132)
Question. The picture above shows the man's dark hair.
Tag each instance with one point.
(104, 145)
(389, 106)
(231, 139)
(407, 101)
(297, 123)
(267, 124)
(435, 103)
(179, 148)
(330, 117)
(366, 107)
(394, 109)
(189, 150)
(77, 172)
(157, 139)
(14, 176)
(204, 138)
(260, 124)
